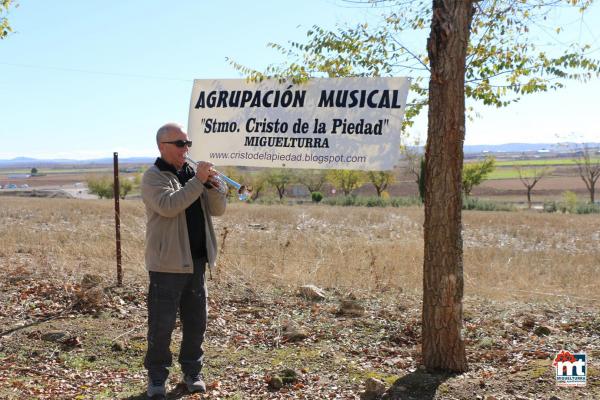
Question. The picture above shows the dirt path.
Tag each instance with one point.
(95, 344)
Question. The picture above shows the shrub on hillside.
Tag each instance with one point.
(371, 201)
(267, 200)
(482, 205)
(376, 202)
(126, 186)
(572, 208)
(342, 201)
(550, 206)
(587, 208)
(569, 203)
(405, 201)
(101, 187)
(316, 196)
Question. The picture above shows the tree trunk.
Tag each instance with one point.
(529, 197)
(443, 347)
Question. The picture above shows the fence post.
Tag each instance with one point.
(116, 188)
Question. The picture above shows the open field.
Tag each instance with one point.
(549, 188)
(317, 244)
(525, 272)
(543, 162)
(528, 170)
(512, 173)
(61, 180)
(53, 171)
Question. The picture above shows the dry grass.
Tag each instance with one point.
(328, 246)
(516, 255)
(69, 238)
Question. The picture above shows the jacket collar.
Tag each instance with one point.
(184, 174)
(165, 166)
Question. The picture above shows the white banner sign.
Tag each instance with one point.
(337, 123)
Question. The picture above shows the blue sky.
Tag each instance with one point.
(81, 79)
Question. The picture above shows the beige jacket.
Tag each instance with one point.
(167, 243)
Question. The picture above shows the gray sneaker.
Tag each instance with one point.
(156, 389)
(194, 383)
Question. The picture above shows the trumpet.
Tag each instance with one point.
(222, 180)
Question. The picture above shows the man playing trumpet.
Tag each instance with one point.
(180, 242)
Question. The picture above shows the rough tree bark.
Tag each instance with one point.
(443, 346)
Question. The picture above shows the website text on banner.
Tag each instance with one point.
(335, 123)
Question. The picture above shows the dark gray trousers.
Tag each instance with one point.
(169, 293)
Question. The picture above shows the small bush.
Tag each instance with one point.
(125, 187)
(550, 206)
(350, 201)
(569, 203)
(482, 205)
(316, 196)
(405, 201)
(267, 200)
(375, 202)
(101, 186)
(344, 201)
(372, 201)
(587, 208)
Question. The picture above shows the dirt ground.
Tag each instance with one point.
(548, 188)
(66, 344)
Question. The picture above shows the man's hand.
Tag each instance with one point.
(203, 171)
(214, 180)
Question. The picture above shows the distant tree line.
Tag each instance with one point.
(280, 180)
(345, 182)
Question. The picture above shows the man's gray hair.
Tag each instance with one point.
(165, 129)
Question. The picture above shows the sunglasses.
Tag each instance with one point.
(180, 143)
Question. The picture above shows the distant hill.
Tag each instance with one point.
(526, 147)
(567, 147)
(25, 162)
